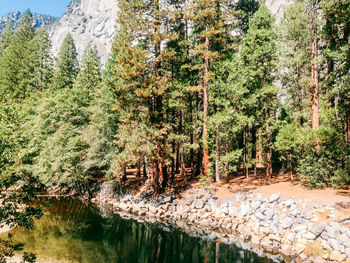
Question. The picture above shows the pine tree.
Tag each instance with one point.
(6, 36)
(44, 67)
(142, 82)
(89, 76)
(67, 64)
(295, 56)
(337, 32)
(209, 22)
(258, 56)
(18, 62)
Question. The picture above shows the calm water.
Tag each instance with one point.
(72, 231)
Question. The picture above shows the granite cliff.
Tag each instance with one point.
(89, 21)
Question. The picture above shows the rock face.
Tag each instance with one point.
(89, 21)
(277, 7)
(38, 20)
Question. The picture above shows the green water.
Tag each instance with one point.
(72, 231)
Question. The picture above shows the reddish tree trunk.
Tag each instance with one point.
(268, 152)
(155, 179)
(217, 158)
(182, 150)
(347, 121)
(314, 76)
(206, 105)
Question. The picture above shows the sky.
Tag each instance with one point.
(45, 7)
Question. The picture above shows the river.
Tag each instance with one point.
(71, 231)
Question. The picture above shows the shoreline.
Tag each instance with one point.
(285, 229)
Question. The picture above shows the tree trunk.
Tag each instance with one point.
(314, 76)
(347, 121)
(206, 105)
(217, 157)
(182, 150)
(191, 140)
(268, 151)
(155, 179)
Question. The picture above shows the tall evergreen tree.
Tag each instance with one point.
(142, 82)
(44, 67)
(258, 56)
(295, 56)
(67, 65)
(6, 36)
(18, 62)
(90, 72)
(337, 33)
(209, 22)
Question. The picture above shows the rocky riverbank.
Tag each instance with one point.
(288, 228)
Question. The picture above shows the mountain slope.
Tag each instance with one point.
(39, 20)
(88, 21)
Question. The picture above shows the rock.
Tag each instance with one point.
(206, 197)
(266, 243)
(300, 229)
(317, 260)
(286, 249)
(269, 215)
(289, 203)
(287, 223)
(245, 210)
(274, 198)
(255, 240)
(318, 229)
(167, 199)
(153, 210)
(325, 245)
(291, 237)
(255, 205)
(334, 244)
(89, 21)
(204, 222)
(347, 252)
(224, 210)
(299, 247)
(233, 211)
(310, 236)
(336, 256)
(187, 201)
(199, 204)
(294, 213)
(343, 239)
(306, 215)
(260, 216)
(193, 191)
(332, 231)
(303, 256)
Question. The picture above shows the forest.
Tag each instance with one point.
(208, 88)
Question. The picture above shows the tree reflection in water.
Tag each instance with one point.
(72, 231)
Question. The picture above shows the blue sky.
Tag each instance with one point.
(46, 7)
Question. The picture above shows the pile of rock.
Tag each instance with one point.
(286, 227)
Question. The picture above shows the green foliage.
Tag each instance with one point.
(325, 165)
(67, 65)
(6, 37)
(17, 63)
(90, 73)
(16, 211)
(44, 67)
(289, 141)
(100, 133)
(295, 53)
